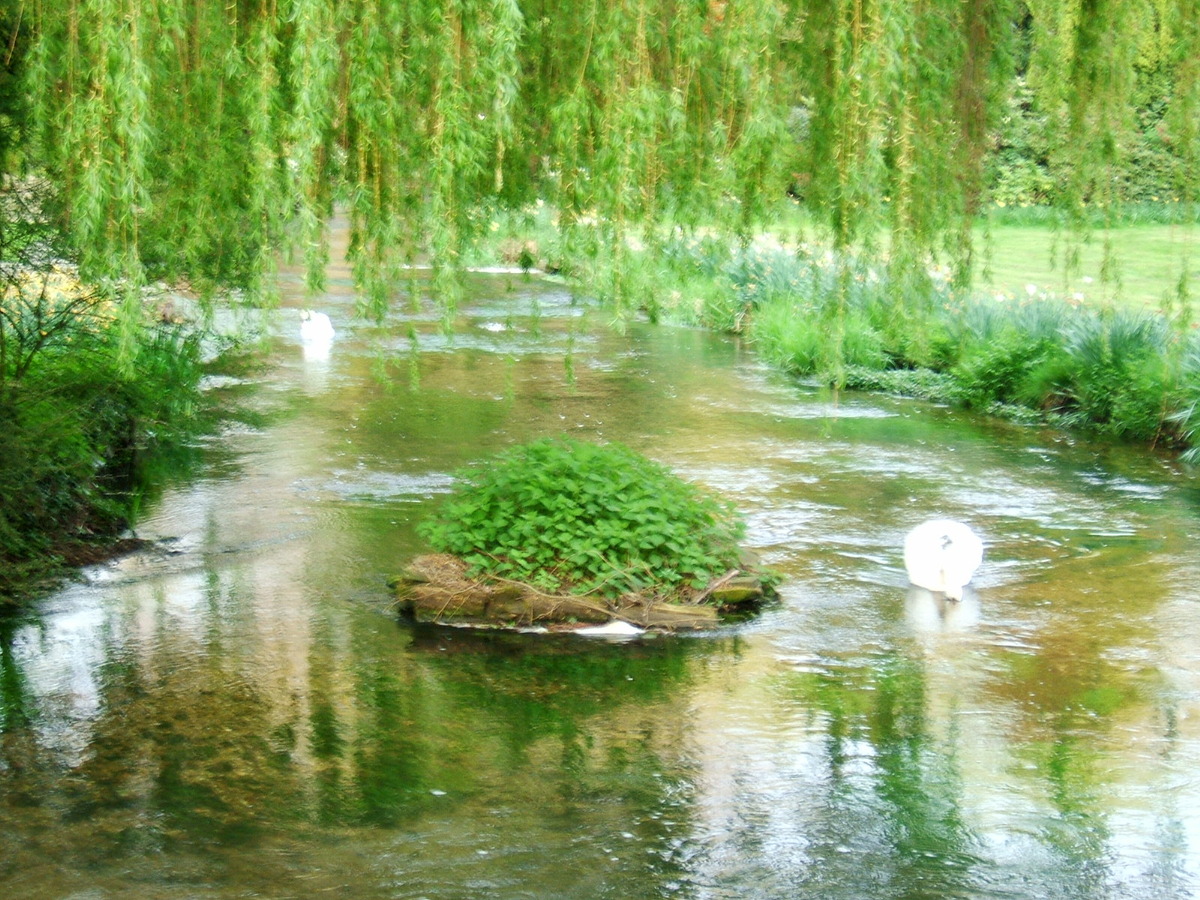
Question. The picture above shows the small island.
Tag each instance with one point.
(563, 534)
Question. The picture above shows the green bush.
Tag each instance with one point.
(995, 372)
(81, 419)
(790, 337)
(1019, 164)
(911, 335)
(1149, 173)
(565, 515)
(1185, 419)
(1000, 344)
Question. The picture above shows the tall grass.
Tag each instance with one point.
(1129, 373)
(1172, 211)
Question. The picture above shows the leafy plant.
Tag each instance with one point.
(82, 415)
(566, 515)
(1001, 344)
(993, 373)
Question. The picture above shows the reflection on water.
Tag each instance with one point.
(927, 612)
(237, 712)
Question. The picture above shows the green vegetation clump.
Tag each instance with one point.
(569, 516)
(83, 416)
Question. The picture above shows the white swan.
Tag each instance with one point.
(941, 556)
(316, 335)
(315, 327)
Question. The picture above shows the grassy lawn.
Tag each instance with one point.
(1149, 260)
(1012, 255)
(1017, 252)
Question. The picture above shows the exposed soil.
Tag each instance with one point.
(30, 578)
(89, 553)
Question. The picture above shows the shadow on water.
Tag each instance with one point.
(237, 711)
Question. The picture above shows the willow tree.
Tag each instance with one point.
(191, 140)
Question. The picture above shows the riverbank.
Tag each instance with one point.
(99, 408)
(1106, 346)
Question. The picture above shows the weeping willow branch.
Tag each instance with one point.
(191, 140)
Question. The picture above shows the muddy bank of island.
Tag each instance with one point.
(438, 588)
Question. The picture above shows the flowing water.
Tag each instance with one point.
(236, 712)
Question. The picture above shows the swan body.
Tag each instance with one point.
(941, 556)
(316, 336)
(315, 327)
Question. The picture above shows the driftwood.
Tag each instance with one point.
(436, 588)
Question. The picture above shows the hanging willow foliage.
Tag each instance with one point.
(190, 139)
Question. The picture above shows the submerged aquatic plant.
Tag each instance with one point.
(566, 515)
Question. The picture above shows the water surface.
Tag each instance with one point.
(237, 712)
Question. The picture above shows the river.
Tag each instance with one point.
(237, 712)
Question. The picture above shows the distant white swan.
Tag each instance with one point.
(315, 327)
(941, 556)
(316, 335)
